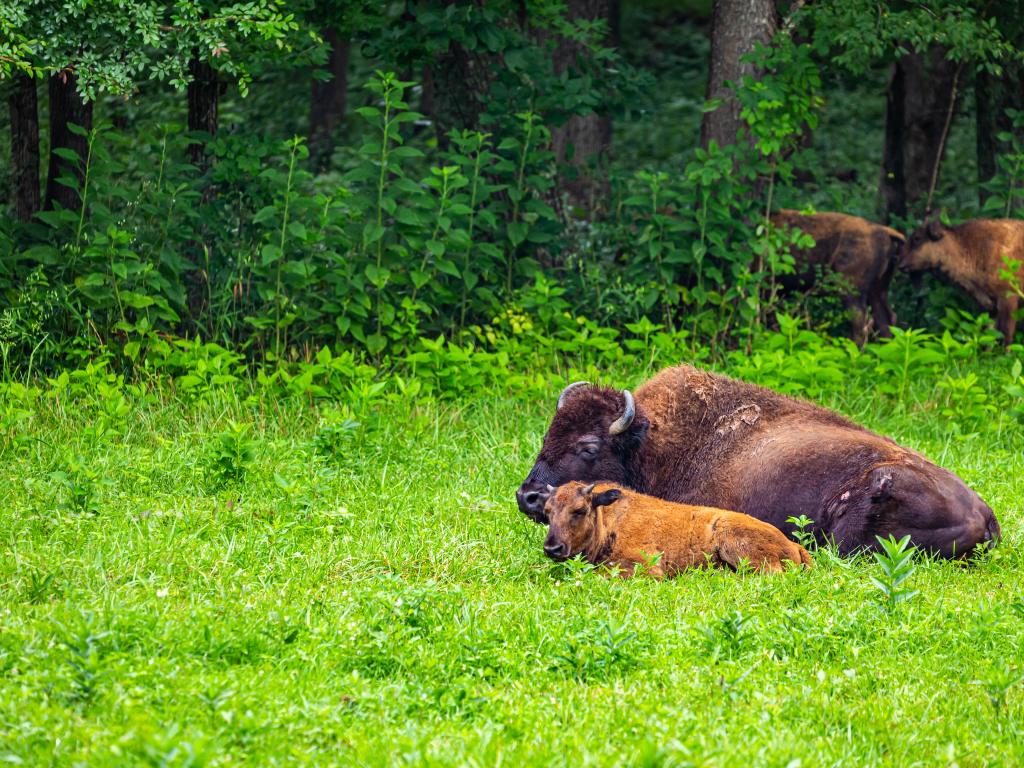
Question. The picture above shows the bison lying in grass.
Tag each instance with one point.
(698, 438)
(609, 524)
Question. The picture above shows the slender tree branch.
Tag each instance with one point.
(942, 140)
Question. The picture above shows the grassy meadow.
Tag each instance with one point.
(244, 581)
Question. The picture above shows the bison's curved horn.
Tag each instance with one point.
(588, 490)
(567, 390)
(622, 423)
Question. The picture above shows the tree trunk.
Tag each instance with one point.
(583, 142)
(66, 107)
(203, 100)
(328, 100)
(461, 80)
(736, 27)
(25, 146)
(920, 103)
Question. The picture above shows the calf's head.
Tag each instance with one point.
(572, 513)
(594, 432)
(926, 249)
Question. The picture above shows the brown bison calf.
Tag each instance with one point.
(864, 253)
(970, 256)
(610, 524)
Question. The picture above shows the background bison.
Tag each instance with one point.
(698, 438)
(971, 256)
(862, 252)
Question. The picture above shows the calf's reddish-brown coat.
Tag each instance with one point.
(863, 252)
(696, 437)
(970, 256)
(609, 524)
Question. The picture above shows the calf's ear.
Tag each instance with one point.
(934, 230)
(605, 498)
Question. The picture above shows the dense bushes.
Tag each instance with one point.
(260, 255)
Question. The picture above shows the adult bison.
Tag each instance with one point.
(695, 437)
(863, 252)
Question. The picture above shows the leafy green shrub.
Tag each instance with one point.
(728, 636)
(908, 354)
(896, 566)
(231, 453)
(80, 482)
(598, 651)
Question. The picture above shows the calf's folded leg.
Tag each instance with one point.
(761, 546)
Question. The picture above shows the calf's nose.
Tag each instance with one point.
(556, 550)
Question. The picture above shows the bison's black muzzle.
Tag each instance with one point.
(531, 500)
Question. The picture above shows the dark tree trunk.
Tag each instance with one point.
(328, 100)
(203, 101)
(920, 103)
(66, 108)
(893, 185)
(583, 142)
(736, 27)
(460, 83)
(25, 146)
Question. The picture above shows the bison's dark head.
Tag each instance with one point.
(592, 437)
(934, 506)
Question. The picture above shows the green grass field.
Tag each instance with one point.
(175, 591)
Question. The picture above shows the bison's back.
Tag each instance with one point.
(985, 241)
(860, 250)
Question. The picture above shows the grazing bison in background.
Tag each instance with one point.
(610, 524)
(698, 438)
(864, 253)
(970, 256)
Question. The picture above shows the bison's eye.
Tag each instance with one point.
(580, 512)
(589, 450)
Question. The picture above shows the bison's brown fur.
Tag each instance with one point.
(970, 256)
(609, 524)
(699, 438)
(864, 253)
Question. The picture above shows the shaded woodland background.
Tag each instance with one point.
(279, 177)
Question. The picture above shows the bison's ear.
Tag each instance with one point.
(935, 230)
(605, 498)
(881, 485)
